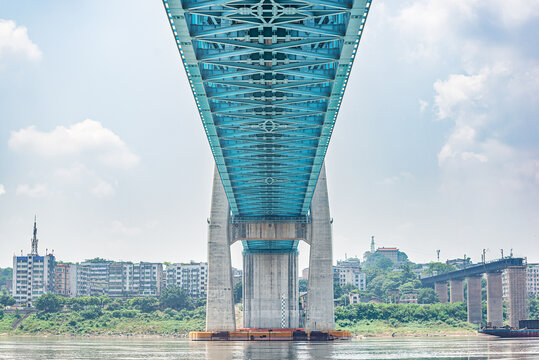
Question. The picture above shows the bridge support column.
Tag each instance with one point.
(456, 291)
(320, 313)
(494, 299)
(474, 300)
(270, 290)
(516, 276)
(441, 290)
(220, 300)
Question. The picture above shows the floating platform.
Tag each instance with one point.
(269, 335)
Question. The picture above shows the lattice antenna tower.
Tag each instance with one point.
(34, 238)
(372, 244)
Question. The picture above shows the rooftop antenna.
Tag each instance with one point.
(34, 238)
(511, 254)
(438, 255)
(501, 250)
(372, 244)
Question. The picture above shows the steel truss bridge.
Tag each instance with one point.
(268, 77)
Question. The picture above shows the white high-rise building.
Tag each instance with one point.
(192, 277)
(532, 281)
(33, 275)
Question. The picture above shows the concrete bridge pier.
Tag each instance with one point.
(474, 300)
(494, 299)
(456, 290)
(441, 290)
(220, 300)
(518, 308)
(320, 314)
(270, 290)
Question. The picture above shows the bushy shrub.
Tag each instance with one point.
(91, 312)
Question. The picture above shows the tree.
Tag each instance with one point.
(144, 303)
(6, 299)
(337, 290)
(238, 288)
(439, 268)
(427, 296)
(303, 285)
(174, 297)
(48, 303)
(378, 261)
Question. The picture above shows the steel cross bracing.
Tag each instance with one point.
(268, 78)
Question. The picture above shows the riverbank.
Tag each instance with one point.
(162, 325)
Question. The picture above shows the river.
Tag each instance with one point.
(475, 347)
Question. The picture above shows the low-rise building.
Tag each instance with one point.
(119, 279)
(349, 272)
(390, 253)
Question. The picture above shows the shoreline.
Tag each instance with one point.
(355, 337)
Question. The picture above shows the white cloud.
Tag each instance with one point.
(78, 175)
(401, 177)
(2, 189)
(88, 136)
(434, 27)
(14, 41)
(423, 105)
(103, 189)
(119, 228)
(38, 190)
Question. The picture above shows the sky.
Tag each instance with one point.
(436, 145)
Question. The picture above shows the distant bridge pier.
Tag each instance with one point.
(456, 290)
(518, 308)
(494, 299)
(474, 299)
(441, 290)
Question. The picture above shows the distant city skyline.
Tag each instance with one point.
(435, 147)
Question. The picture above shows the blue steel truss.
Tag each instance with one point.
(268, 78)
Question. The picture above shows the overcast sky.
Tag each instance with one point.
(436, 145)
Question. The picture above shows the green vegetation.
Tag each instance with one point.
(533, 310)
(238, 288)
(172, 314)
(5, 274)
(6, 299)
(403, 319)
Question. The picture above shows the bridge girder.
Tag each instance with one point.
(268, 77)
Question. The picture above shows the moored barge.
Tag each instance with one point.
(526, 328)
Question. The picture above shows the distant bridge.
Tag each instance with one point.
(516, 290)
(474, 270)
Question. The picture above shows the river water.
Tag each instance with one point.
(476, 347)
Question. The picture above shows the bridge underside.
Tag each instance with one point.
(268, 77)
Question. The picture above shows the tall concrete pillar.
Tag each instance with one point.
(494, 299)
(518, 307)
(475, 303)
(441, 290)
(320, 312)
(270, 290)
(220, 300)
(456, 291)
